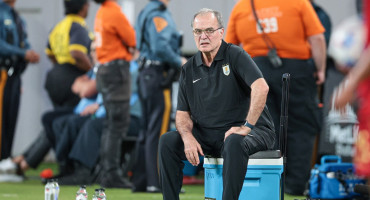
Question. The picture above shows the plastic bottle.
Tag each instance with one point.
(54, 189)
(102, 194)
(96, 194)
(48, 190)
(81, 193)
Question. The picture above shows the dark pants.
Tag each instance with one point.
(86, 146)
(36, 152)
(114, 83)
(304, 115)
(58, 84)
(66, 129)
(10, 107)
(156, 107)
(235, 151)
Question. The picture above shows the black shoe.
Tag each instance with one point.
(81, 176)
(114, 181)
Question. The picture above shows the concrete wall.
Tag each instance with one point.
(41, 15)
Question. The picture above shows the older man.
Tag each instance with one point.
(221, 110)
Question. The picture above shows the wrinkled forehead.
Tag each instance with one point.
(205, 20)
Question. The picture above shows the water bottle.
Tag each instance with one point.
(96, 194)
(81, 193)
(48, 190)
(102, 194)
(55, 189)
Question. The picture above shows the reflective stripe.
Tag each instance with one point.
(3, 78)
(78, 47)
(167, 111)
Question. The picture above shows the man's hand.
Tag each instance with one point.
(31, 56)
(241, 130)
(90, 109)
(192, 147)
(320, 77)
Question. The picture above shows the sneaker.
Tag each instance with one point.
(11, 178)
(7, 166)
(153, 189)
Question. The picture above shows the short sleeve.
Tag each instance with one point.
(182, 101)
(311, 21)
(244, 66)
(79, 38)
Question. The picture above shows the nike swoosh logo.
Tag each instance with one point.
(196, 80)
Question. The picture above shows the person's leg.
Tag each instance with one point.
(114, 82)
(84, 153)
(171, 155)
(36, 152)
(66, 129)
(236, 152)
(86, 147)
(10, 108)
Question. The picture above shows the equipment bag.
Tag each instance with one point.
(333, 179)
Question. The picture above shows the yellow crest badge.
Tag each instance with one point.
(226, 69)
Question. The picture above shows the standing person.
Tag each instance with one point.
(221, 111)
(68, 48)
(15, 54)
(159, 44)
(358, 81)
(278, 47)
(115, 46)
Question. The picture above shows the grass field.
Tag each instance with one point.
(32, 189)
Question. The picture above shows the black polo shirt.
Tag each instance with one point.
(218, 96)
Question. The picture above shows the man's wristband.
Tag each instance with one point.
(248, 124)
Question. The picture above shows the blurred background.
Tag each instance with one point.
(42, 15)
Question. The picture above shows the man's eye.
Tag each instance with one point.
(197, 31)
(210, 30)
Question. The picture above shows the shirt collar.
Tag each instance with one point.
(219, 56)
(77, 18)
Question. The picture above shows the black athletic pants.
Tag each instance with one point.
(235, 151)
(10, 107)
(304, 116)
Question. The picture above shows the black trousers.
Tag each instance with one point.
(58, 85)
(66, 129)
(156, 107)
(235, 151)
(304, 115)
(86, 146)
(114, 83)
(10, 107)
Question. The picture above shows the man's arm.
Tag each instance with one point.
(348, 86)
(184, 126)
(82, 60)
(318, 50)
(84, 87)
(259, 91)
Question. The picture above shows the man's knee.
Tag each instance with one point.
(233, 144)
(169, 141)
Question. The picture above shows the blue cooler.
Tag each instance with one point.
(262, 181)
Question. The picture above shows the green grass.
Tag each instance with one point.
(32, 189)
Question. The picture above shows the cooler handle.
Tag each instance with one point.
(326, 159)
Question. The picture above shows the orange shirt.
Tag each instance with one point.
(288, 23)
(113, 33)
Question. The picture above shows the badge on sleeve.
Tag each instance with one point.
(159, 23)
(226, 69)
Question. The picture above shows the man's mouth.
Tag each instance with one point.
(204, 43)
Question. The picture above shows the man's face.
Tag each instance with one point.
(210, 35)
